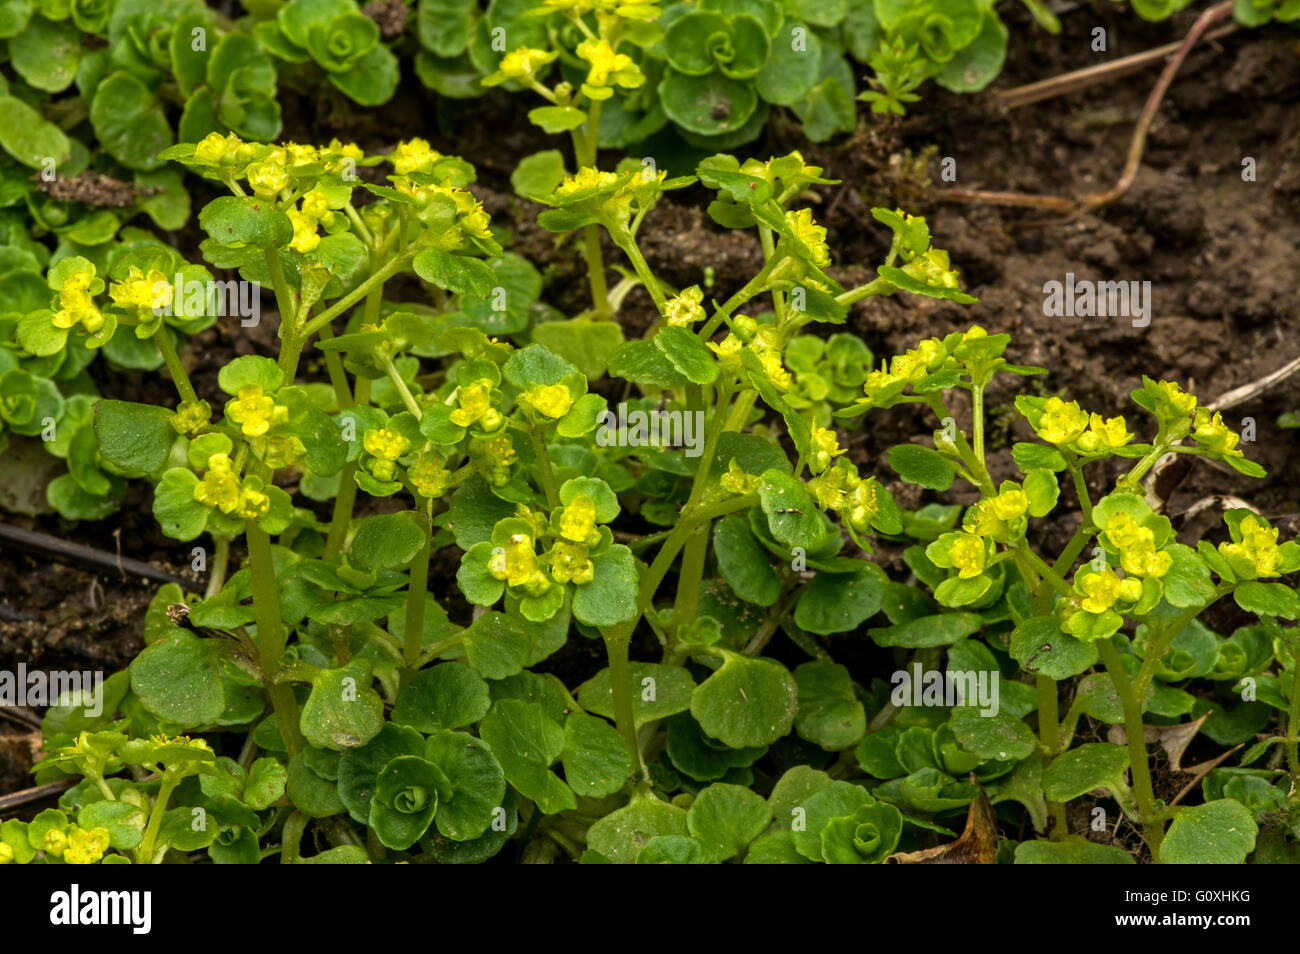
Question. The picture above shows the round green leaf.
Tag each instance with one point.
(747, 702)
(1216, 833)
(596, 757)
(724, 819)
(342, 711)
(478, 784)
(526, 741)
(830, 714)
(840, 602)
(129, 122)
(178, 680)
(447, 696)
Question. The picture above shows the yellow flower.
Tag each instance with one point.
(253, 503)
(75, 302)
(825, 447)
(861, 505)
(932, 269)
(267, 178)
(1061, 422)
(1257, 554)
(54, 843)
(86, 847)
(344, 152)
(967, 555)
(316, 204)
(305, 238)
(571, 564)
(1141, 558)
(524, 62)
(1172, 397)
(1123, 531)
(578, 520)
(139, 292)
(215, 147)
(1101, 591)
(255, 411)
(516, 564)
(1211, 433)
(877, 381)
(607, 66)
(584, 179)
(1010, 504)
(384, 443)
(685, 309)
(775, 370)
(738, 481)
(1103, 434)
(812, 235)
(499, 450)
(414, 155)
(6, 854)
(429, 476)
(190, 416)
(549, 400)
(219, 487)
(475, 405)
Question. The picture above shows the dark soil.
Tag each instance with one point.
(1222, 255)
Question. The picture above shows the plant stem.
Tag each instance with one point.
(341, 516)
(417, 592)
(545, 471)
(220, 560)
(144, 853)
(174, 367)
(1293, 736)
(627, 243)
(1049, 734)
(270, 635)
(376, 280)
(1153, 829)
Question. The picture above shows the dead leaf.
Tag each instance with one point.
(1174, 739)
(977, 845)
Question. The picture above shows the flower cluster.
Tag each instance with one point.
(75, 302)
(1066, 424)
(255, 411)
(222, 489)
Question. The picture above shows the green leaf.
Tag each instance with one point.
(343, 711)
(178, 680)
(792, 516)
(1187, 582)
(926, 631)
(129, 122)
(526, 741)
(747, 701)
(135, 438)
(359, 768)
(388, 541)
(830, 714)
(478, 784)
(447, 696)
(840, 602)
(371, 80)
(475, 510)
(557, 119)
(921, 466)
(974, 67)
(245, 221)
(497, 645)
(837, 800)
(596, 757)
(1042, 649)
(743, 562)
(621, 834)
(406, 797)
(178, 513)
(528, 367)
(1267, 599)
(708, 105)
(868, 836)
(1037, 457)
(458, 274)
(1080, 770)
(1071, 850)
(999, 736)
(265, 785)
(687, 353)
(1216, 833)
(610, 598)
(538, 174)
(658, 691)
(28, 137)
(725, 819)
(48, 54)
(641, 362)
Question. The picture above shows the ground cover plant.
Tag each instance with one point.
(984, 643)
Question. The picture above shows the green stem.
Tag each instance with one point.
(375, 281)
(620, 680)
(145, 853)
(627, 243)
(217, 570)
(876, 286)
(417, 591)
(271, 636)
(545, 471)
(1293, 735)
(1153, 828)
(1049, 734)
(291, 838)
(174, 366)
(977, 393)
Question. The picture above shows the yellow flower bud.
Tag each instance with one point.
(578, 520)
(967, 554)
(1101, 591)
(685, 309)
(549, 400)
(812, 235)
